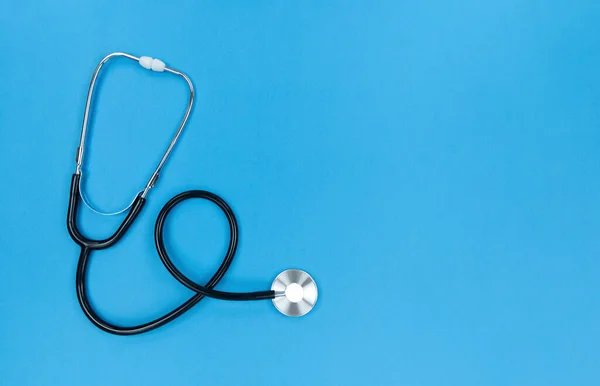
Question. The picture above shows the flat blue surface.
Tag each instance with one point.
(434, 165)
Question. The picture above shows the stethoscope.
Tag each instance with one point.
(293, 292)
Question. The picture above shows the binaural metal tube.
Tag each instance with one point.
(154, 176)
(86, 116)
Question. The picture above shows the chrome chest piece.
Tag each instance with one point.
(296, 292)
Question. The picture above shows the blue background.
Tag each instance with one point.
(434, 165)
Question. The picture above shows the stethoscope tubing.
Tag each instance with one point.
(88, 245)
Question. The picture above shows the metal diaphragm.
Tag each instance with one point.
(296, 292)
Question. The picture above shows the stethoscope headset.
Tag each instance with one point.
(293, 292)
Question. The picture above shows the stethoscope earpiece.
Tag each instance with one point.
(295, 292)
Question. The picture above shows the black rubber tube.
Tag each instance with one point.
(108, 242)
(87, 246)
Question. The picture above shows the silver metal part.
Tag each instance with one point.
(86, 115)
(296, 292)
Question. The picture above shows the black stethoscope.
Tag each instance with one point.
(293, 292)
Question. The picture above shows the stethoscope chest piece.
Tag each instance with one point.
(296, 292)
